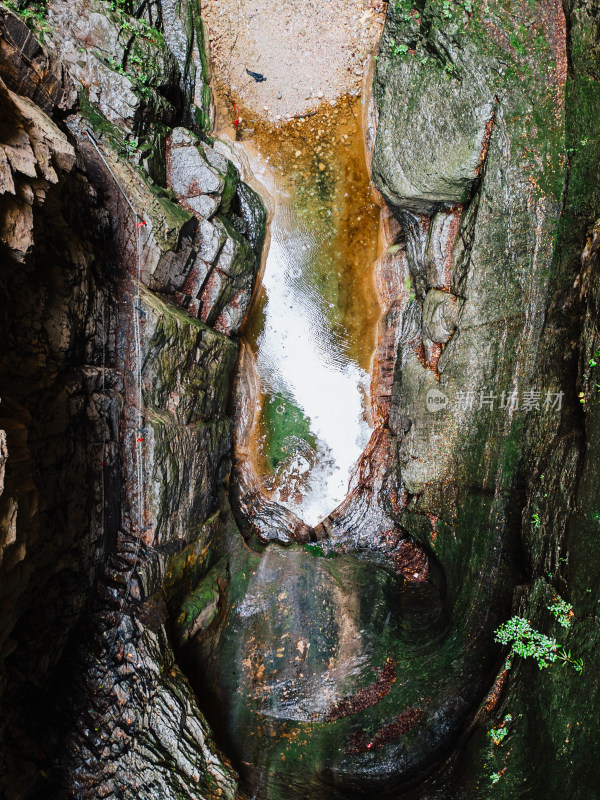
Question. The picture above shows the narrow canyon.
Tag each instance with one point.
(299, 399)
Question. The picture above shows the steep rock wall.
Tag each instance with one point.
(487, 153)
(124, 239)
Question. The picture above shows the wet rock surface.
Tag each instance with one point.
(101, 495)
(316, 660)
(474, 509)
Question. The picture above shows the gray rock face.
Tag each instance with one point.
(218, 161)
(484, 320)
(212, 238)
(61, 402)
(203, 205)
(219, 285)
(189, 173)
(125, 75)
(184, 34)
(49, 87)
(440, 315)
(432, 127)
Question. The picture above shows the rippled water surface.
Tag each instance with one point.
(312, 325)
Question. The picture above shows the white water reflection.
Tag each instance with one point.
(300, 357)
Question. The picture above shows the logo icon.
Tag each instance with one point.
(436, 400)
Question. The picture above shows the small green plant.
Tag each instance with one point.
(114, 64)
(498, 734)
(131, 145)
(495, 777)
(576, 663)
(526, 642)
(144, 86)
(143, 81)
(562, 610)
(398, 49)
(121, 5)
(141, 28)
(450, 7)
(535, 520)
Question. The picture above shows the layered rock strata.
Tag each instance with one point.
(121, 284)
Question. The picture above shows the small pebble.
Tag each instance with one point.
(321, 166)
(279, 95)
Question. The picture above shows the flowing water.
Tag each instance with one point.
(312, 324)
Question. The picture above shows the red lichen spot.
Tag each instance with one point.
(367, 697)
(420, 354)
(493, 697)
(403, 723)
(451, 233)
(410, 560)
(489, 126)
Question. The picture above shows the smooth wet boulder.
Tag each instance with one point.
(434, 113)
(440, 315)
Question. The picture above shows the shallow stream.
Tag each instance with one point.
(313, 320)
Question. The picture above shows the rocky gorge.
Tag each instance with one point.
(167, 628)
